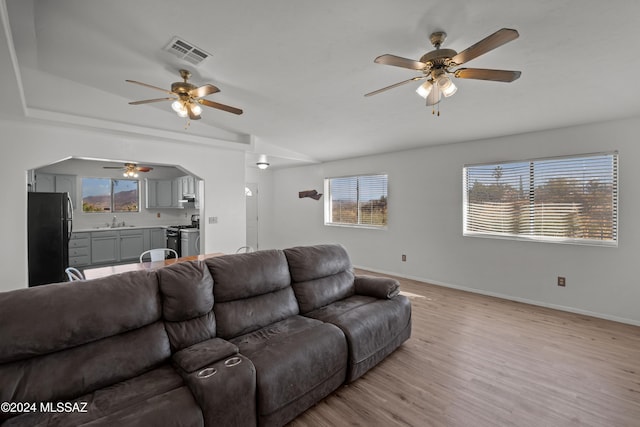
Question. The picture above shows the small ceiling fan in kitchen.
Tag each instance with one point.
(187, 98)
(130, 170)
(438, 65)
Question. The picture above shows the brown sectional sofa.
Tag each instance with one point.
(246, 339)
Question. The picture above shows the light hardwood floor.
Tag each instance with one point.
(477, 361)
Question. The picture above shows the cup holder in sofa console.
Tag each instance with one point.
(232, 361)
(206, 373)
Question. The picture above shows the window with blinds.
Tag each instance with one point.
(356, 201)
(567, 200)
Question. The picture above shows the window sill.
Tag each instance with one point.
(545, 239)
(367, 227)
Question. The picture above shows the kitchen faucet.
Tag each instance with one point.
(113, 223)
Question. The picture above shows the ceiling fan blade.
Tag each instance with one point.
(399, 61)
(192, 115)
(219, 106)
(203, 91)
(375, 92)
(149, 86)
(144, 168)
(113, 167)
(148, 101)
(485, 45)
(484, 74)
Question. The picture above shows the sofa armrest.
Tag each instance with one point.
(225, 391)
(378, 287)
(204, 353)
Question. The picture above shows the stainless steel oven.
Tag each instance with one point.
(174, 238)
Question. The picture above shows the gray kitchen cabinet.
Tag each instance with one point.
(188, 184)
(45, 183)
(158, 238)
(113, 246)
(105, 247)
(164, 195)
(159, 193)
(176, 193)
(52, 183)
(151, 190)
(131, 244)
(80, 250)
(185, 186)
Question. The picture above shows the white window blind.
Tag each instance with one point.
(569, 199)
(357, 200)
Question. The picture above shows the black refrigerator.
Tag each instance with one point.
(50, 222)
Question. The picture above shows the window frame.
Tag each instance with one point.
(613, 242)
(111, 195)
(329, 200)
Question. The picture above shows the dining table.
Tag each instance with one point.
(97, 272)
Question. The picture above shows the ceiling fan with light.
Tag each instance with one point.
(187, 97)
(130, 169)
(438, 65)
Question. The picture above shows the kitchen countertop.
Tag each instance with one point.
(126, 227)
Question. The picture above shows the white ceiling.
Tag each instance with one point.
(299, 69)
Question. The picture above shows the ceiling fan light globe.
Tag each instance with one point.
(196, 109)
(424, 89)
(446, 85)
(183, 113)
(262, 165)
(177, 106)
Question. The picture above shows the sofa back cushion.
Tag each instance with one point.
(60, 341)
(321, 274)
(251, 291)
(187, 303)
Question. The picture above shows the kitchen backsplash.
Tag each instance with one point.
(145, 217)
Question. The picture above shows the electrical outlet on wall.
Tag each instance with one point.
(404, 258)
(562, 281)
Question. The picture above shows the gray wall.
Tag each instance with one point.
(425, 223)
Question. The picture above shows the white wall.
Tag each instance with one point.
(27, 144)
(425, 223)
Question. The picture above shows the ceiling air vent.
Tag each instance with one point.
(187, 51)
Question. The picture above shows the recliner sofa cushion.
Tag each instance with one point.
(60, 316)
(77, 337)
(121, 397)
(187, 290)
(312, 262)
(187, 303)
(251, 291)
(79, 370)
(321, 275)
(373, 317)
(298, 362)
(373, 327)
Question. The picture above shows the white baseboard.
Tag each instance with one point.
(507, 297)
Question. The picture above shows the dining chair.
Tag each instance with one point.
(73, 274)
(159, 254)
(244, 249)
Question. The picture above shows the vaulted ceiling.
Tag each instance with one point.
(299, 69)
